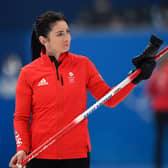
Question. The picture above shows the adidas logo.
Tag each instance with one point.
(42, 82)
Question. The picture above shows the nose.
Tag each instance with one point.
(67, 37)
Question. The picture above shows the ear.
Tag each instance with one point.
(43, 40)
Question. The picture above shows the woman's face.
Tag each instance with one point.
(58, 39)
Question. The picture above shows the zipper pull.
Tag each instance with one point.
(62, 82)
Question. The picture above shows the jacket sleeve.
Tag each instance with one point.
(22, 112)
(98, 87)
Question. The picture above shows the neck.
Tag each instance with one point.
(56, 55)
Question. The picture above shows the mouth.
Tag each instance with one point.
(66, 45)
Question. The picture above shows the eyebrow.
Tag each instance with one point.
(60, 31)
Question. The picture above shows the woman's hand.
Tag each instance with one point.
(17, 159)
(145, 61)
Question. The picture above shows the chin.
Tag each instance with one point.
(65, 50)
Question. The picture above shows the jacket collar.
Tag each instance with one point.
(48, 60)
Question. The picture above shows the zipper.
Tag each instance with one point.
(52, 58)
(57, 74)
(62, 82)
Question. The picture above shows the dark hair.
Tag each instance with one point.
(42, 27)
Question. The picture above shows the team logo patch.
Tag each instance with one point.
(71, 77)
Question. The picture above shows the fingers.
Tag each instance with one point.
(13, 162)
(19, 165)
(17, 159)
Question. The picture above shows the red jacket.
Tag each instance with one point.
(54, 98)
(157, 88)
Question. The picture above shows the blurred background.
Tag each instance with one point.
(110, 33)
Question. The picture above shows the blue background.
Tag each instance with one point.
(124, 135)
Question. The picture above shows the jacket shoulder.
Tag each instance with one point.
(31, 65)
(80, 58)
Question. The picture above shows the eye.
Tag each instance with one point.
(59, 33)
(68, 31)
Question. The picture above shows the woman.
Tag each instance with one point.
(157, 90)
(53, 91)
